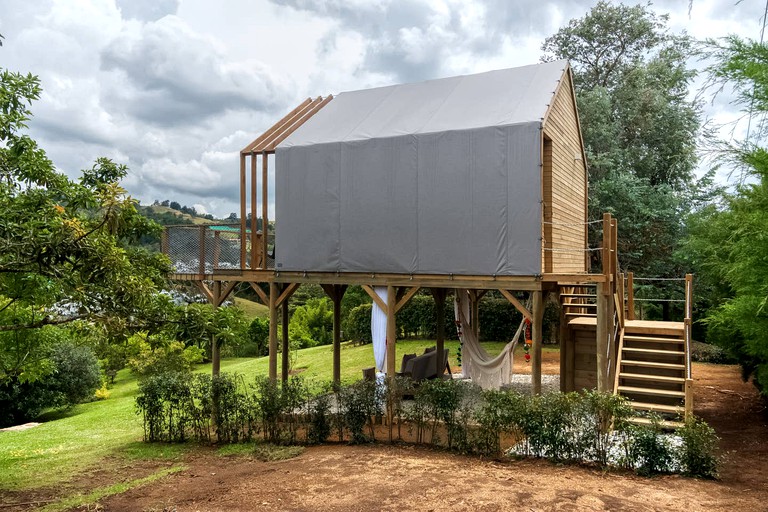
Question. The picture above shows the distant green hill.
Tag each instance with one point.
(168, 216)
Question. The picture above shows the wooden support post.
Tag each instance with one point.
(273, 291)
(630, 295)
(474, 313)
(215, 353)
(439, 296)
(216, 250)
(537, 338)
(201, 257)
(286, 348)
(243, 236)
(264, 209)
(688, 398)
(391, 330)
(601, 341)
(254, 209)
(336, 293)
(565, 348)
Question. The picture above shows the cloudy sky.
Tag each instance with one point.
(175, 88)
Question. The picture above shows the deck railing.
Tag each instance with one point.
(208, 248)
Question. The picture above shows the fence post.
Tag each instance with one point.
(201, 269)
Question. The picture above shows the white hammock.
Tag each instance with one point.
(477, 364)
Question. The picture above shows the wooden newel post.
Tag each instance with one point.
(604, 301)
(630, 296)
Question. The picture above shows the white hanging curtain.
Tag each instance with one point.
(476, 364)
(379, 330)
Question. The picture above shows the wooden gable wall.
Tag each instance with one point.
(564, 185)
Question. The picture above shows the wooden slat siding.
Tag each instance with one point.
(566, 187)
(546, 256)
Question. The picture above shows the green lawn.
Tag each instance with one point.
(67, 444)
(252, 309)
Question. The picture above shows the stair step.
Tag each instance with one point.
(653, 351)
(665, 424)
(594, 315)
(649, 391)
(657, 378)
(577, 295)
(571, 305)
(645, 406)
(649, 339)
(654, 364)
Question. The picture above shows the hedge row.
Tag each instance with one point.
(571, 428)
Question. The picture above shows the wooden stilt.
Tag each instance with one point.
(564, 348)
(336, 293)
(286, 348)
(273, 291)
(537, 338)
(391, 330)
(439, 295)
(474, 313)
(215, 353)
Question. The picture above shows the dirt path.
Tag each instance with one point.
(399, 478)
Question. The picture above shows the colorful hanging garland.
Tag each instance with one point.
(528, 340)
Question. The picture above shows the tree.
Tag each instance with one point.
(728, 243)
(66, 248)
(638, 125)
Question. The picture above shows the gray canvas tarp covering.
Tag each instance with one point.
(437, 177)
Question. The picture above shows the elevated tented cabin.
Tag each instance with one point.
(473, 175)
(474, 182)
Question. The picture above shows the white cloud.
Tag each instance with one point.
(174, 89)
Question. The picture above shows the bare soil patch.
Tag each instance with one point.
(404, 477)
(384, 477)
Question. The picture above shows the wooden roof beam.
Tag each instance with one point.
(249, 148)
(269, 145)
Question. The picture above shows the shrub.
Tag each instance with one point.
(232, 409)
(650, 452)
(443, 398)
(155, 355)
(501, 413)
(312, 324)
(319, 419)
(498, 319)
(162, 402)
(77, 375)
(360, 402)
(270, 406)
(706, 353)
(358, 324)
(73, 376)
(697, 453)
(257, 342)
(597, 411)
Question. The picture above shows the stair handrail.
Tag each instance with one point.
(687, 322)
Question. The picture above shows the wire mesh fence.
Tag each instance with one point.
(203, 249)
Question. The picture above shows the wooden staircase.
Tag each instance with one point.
(652, 360)
(654, 370)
